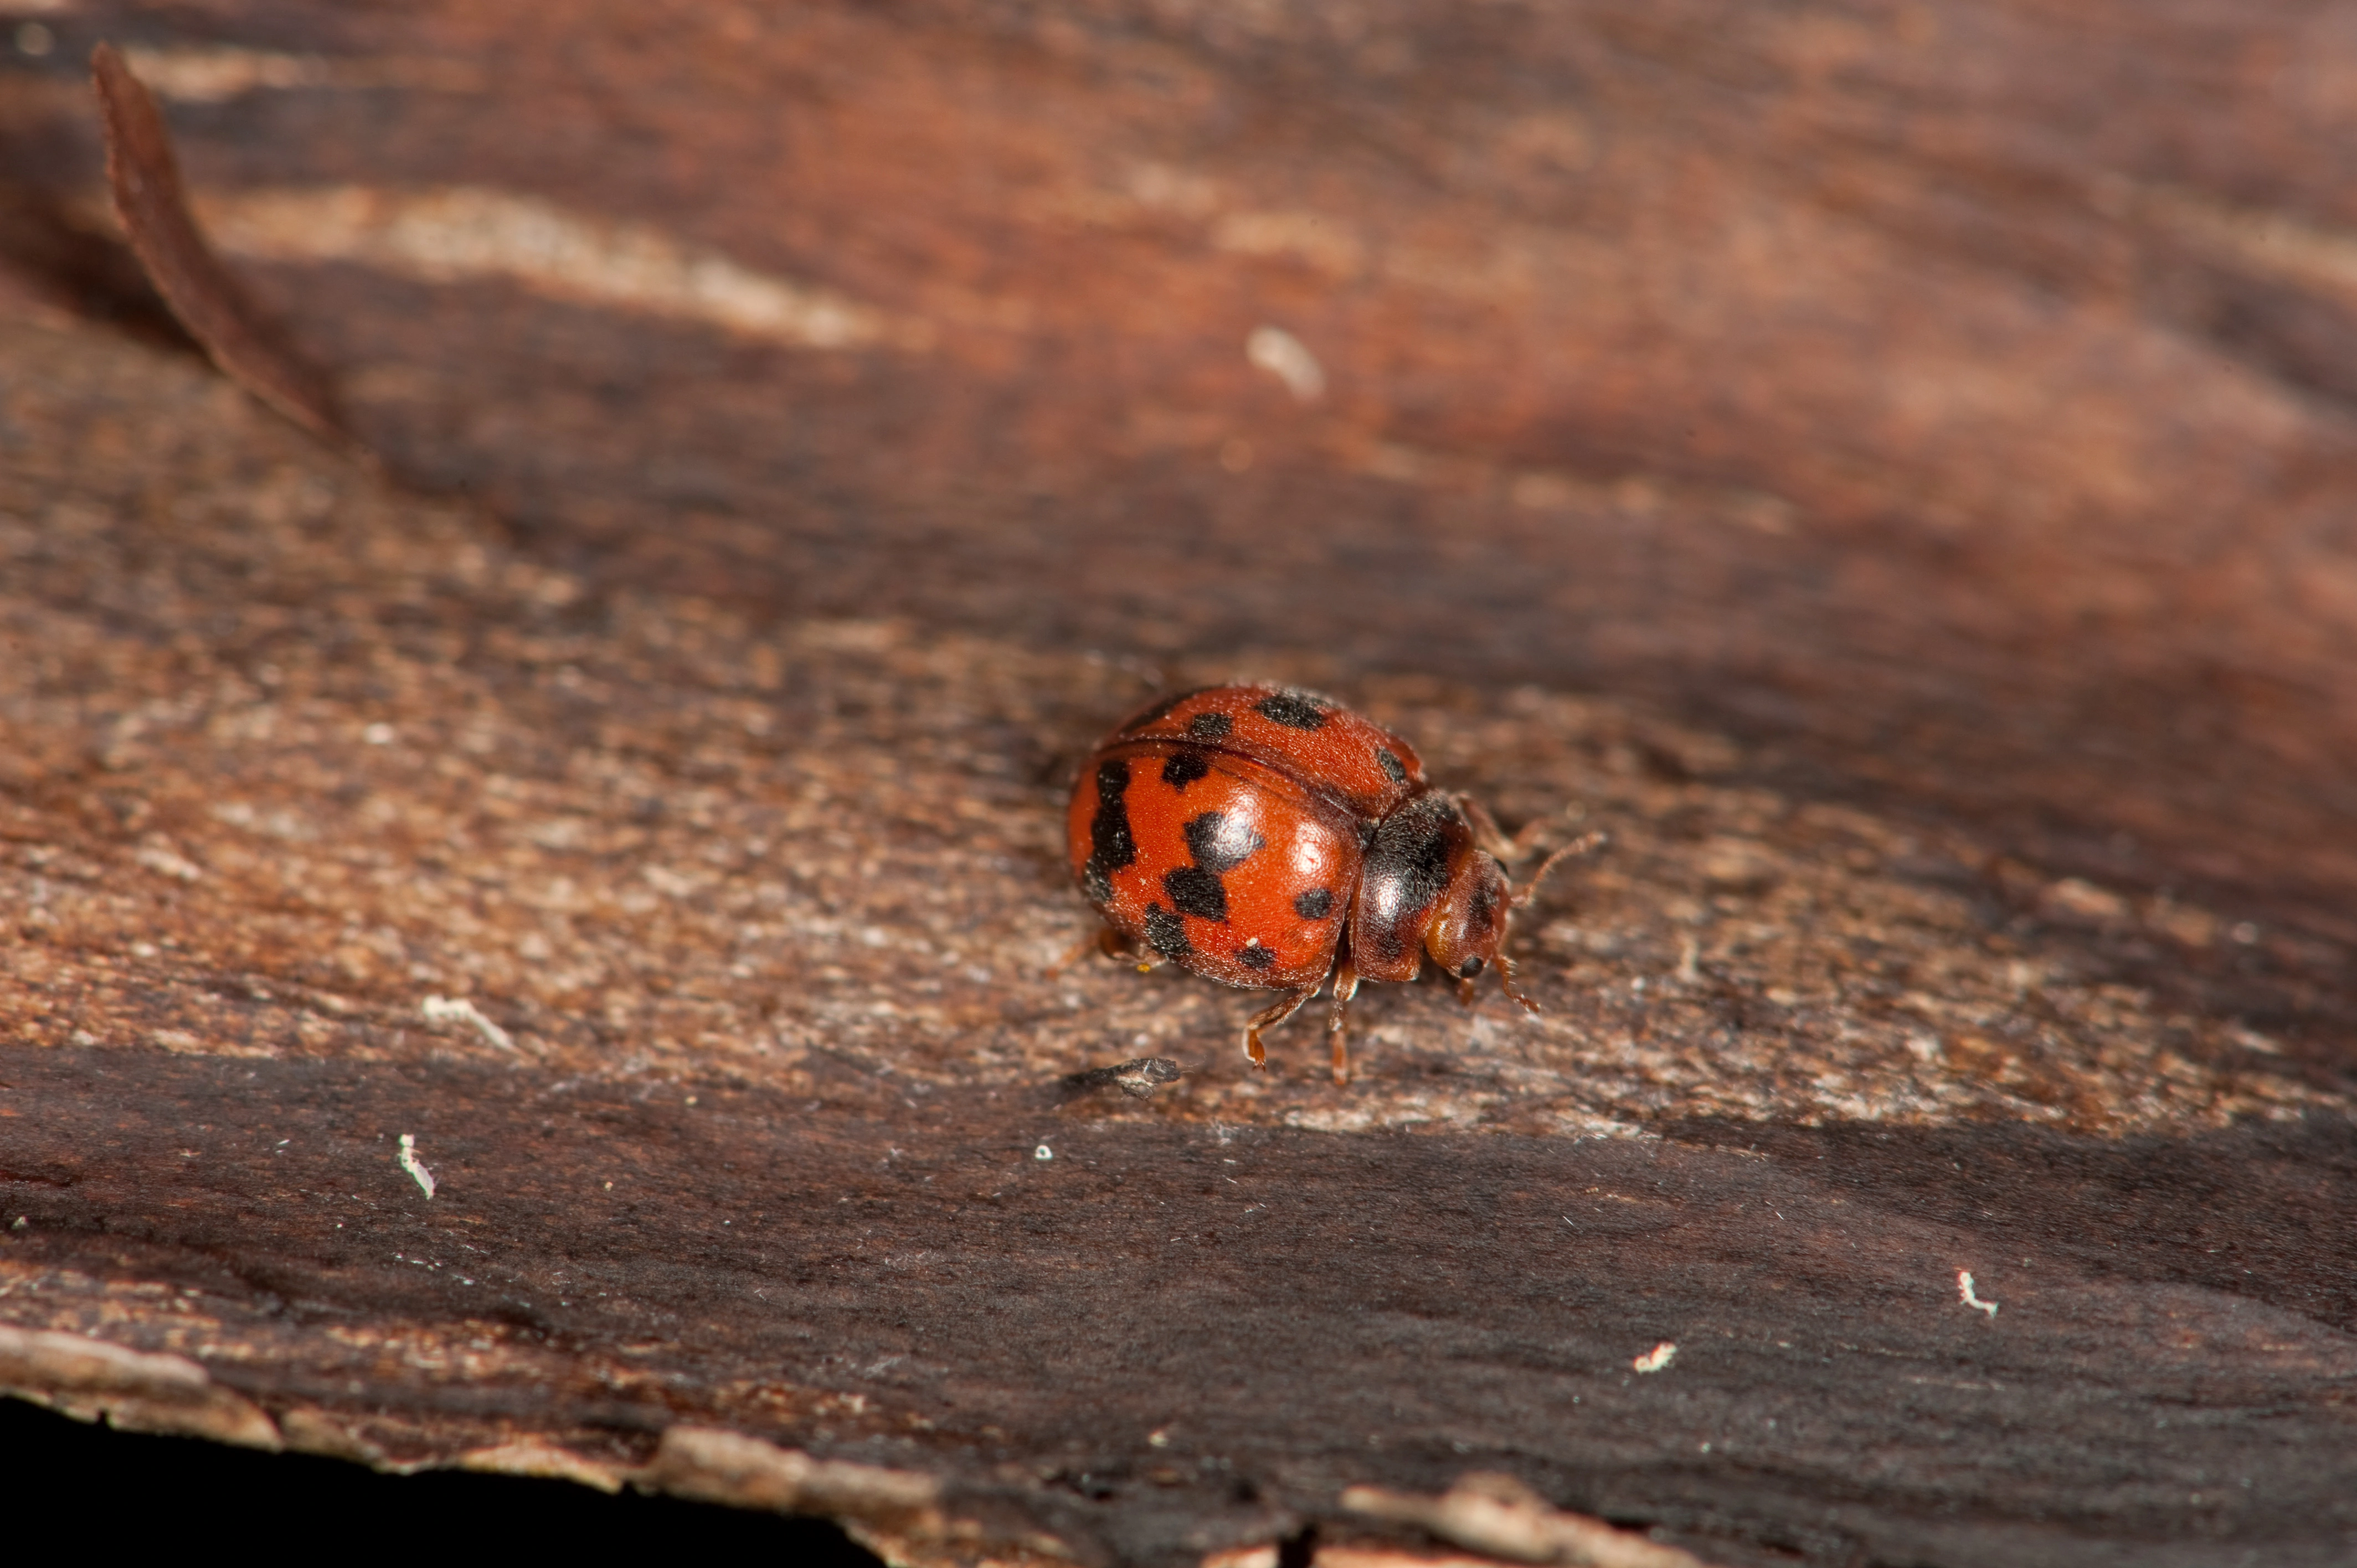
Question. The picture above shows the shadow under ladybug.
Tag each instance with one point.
(1268, 837)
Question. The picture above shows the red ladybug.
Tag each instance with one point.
(1268, 837)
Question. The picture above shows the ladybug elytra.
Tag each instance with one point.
(1270, 838)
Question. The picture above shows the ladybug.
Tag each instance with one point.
(1270, 838)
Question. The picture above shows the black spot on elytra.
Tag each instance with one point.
(1219, 846)
(1209, 726)
(1197, 892)
(1297, 710)
(1390, 763)
(1256, 956)
(1111, 847)
(1166, 933)
(1314, 905)
(1183, 767)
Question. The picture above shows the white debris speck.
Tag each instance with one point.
(458, 1010)
(1964, 1292)
(378, 734)
(158, 855)
(1654, 1359)
(1043, 1152)
(418, 1173)
(1283, 356)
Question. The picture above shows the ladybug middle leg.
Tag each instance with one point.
(1269, 1017)
(1346, 985)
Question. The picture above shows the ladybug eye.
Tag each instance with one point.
(1469, 968)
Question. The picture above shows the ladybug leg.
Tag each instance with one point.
(1506, 979)
(1492, 839)
(1346, 985)
(1114, 945)
(1489, 837)
(1079, 950)
(1269, 1017)
(1106, 940)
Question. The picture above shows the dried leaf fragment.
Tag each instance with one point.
(1137, 1078)
(145, 180)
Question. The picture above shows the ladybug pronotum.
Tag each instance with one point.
(1271, 838)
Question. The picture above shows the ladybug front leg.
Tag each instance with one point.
(1346, 985)
(1492, 839)
(1106, 940)
(1269, 1017)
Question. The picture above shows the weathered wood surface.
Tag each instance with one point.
(1887, 468)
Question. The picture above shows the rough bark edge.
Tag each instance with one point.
(897, 1514)
(1500, 1517)
(130, 1389)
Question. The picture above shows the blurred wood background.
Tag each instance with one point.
(1888, 464)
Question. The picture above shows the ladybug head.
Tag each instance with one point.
(1467, 932)
(1468, 923)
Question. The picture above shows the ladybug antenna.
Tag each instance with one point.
(1584, 844)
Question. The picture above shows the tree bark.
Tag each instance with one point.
(1886, 467)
